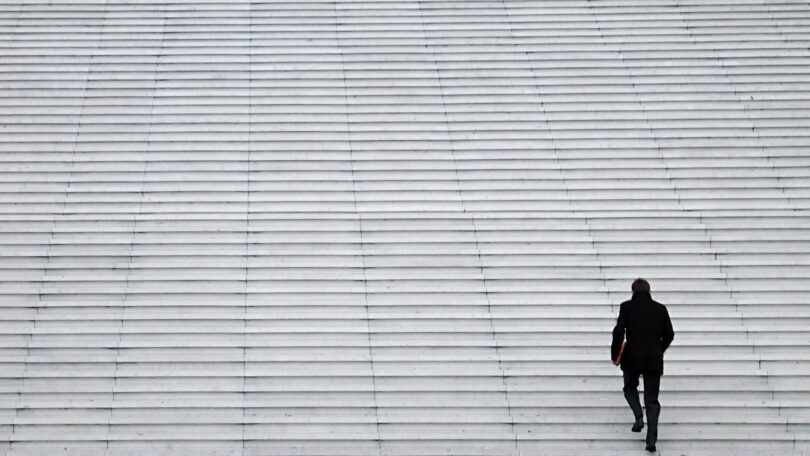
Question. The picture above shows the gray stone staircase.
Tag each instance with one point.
(394, 227)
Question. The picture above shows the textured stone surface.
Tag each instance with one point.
(400, 227)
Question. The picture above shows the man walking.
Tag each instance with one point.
(648, 330)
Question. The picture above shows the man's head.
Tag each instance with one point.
(641, 286)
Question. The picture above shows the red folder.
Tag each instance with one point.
(621, 352)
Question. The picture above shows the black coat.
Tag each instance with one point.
(648, 329)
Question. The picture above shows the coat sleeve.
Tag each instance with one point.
(618, 334)
(668, 333)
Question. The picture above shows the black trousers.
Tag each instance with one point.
(652, 383)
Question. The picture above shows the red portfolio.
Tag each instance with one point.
(621, 352)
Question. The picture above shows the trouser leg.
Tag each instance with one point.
(651, 385)
(631, 393)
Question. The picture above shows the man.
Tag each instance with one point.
(649, 333)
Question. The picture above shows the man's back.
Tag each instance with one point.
(646, 325)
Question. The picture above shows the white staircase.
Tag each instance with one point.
(394, 227)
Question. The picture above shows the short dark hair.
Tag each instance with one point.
(641, 286)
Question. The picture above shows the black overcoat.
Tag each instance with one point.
(646, 325)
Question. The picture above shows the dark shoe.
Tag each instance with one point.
(639, 425)
(650, 448)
